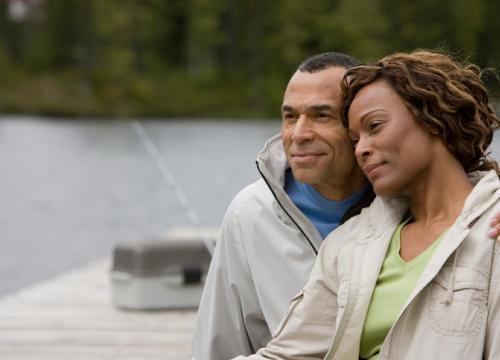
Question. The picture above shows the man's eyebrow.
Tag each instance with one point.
(322, 107)
(318, 107)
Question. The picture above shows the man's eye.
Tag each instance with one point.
(322, 115)
(289, 116)
(354, 142)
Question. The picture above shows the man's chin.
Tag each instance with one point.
(306, 176)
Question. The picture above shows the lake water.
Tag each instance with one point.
(71, 189)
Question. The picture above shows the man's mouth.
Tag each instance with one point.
(305, 157)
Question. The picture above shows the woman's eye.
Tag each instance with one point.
(374, 124)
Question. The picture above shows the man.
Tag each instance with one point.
(273, 228)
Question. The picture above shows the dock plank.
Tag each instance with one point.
(72, 317)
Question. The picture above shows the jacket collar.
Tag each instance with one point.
(486, 191)
(484, 194)
(272, 161)
(385, 214)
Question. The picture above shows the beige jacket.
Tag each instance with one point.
(452, 313)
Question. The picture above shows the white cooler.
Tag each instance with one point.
(164, 273)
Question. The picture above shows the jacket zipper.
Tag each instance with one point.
(286, 212)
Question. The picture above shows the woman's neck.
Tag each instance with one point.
(438, 195)
(436, 199)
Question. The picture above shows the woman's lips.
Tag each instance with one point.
(370, 169)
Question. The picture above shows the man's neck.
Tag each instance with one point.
(341, 191)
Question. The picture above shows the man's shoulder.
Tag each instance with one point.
(256, 193)
(253, 211)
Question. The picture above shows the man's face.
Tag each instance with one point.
(316, 143)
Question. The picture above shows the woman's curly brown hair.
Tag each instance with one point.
(449, 98)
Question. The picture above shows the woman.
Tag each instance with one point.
(413, 276)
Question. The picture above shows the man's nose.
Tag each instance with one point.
(302, 130)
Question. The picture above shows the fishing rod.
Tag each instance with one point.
(170, 179)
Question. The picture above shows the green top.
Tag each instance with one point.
(395, 283)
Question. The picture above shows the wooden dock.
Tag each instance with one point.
(72, 317)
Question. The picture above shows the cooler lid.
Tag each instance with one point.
(159, 256)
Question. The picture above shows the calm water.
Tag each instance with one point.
(70, 190)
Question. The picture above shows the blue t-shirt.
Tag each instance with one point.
(323, 213)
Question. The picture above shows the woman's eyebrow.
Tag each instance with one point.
(363, 118)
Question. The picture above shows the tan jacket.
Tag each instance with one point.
(452, 313)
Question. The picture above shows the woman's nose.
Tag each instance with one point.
(362, 149)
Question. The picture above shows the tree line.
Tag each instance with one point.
(224, 58)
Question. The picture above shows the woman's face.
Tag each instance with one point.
(392, 148)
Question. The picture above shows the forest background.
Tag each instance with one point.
(211, 58)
